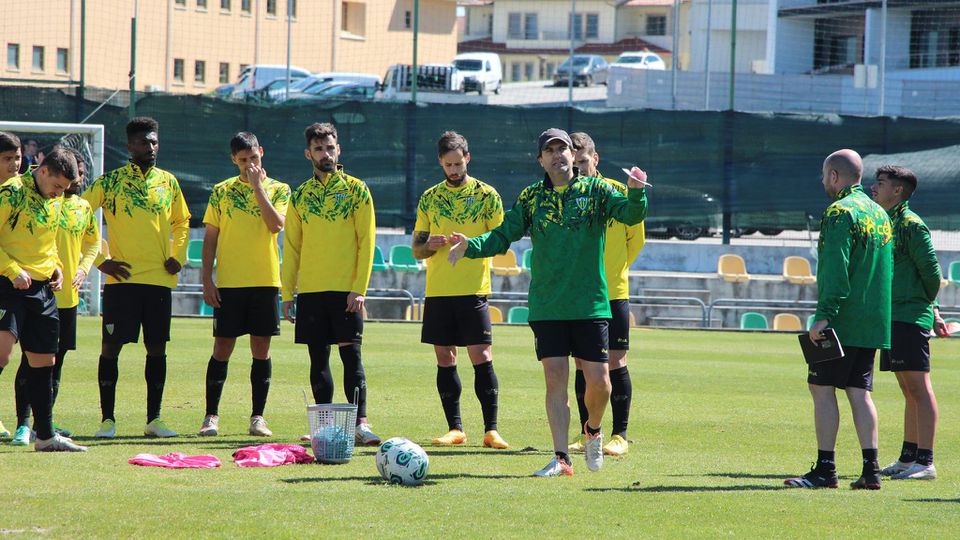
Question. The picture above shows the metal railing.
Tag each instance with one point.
(761, 303)
(672, 301)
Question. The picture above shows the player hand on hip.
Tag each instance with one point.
(458, 247)
(79, 278)
(118, 270)
(211, 295)
(287, 310)
(355, 302)
(22, 281)
(56, 280)
(172, 266)
(816, 331)
(436, 241)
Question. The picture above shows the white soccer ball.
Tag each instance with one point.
(402, 461)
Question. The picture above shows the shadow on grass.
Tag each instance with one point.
(204, 443)
(956, 501)
(757, 476)
(373, 480)
(688, 489)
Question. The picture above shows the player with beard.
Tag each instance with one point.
(455, 310)
(327, 261)
(78, 243)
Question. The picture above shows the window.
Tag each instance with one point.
(550, 68)
(353, 18)
(243, 68)
(271, 7)
(656, 25)
(513, 26)
(63, 61)
(528, 71)
(13, 56)
(530, 26)
(224, 73)
(225, 5)
(593, 25)
(245, 6)
(408, 20)
(201, 4)
(181, 3)
(178, 70)
(515, 71)
(522, 26)
(575, 26)
(37, 58)
(199, 71)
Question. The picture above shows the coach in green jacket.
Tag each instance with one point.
(916, 282)
(566, 215)
(854, 273)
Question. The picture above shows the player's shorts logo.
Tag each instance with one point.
(3, 313)
(109, 328)
(582, 203)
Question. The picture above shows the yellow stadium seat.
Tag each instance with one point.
(505, 264)
(787, 321)
(416, 315)
(732, 268)
(796, 270)
(633, 320)
(496, 316)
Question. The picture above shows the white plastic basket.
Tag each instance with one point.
(333, 427)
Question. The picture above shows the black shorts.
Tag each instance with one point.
(620, 325)
(909, 349)
(586, 339)
(128, 306)
(456, 321)
(322, 318)
(31, 316)
(68, 328)
(854, 370)
(247, 310)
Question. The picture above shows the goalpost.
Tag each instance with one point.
(88, 140)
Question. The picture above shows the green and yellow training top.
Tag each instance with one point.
(623, 244)
(78, 243)
(916, 272)
(28, 229)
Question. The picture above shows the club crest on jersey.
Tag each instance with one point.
(469, 200)
(582, 203)
(339, 197)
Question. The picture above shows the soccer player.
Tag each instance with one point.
(854, 274)
(565, 214)
(327, 260)
(623, 244)
(10, 158)
(243, 218)
(148, 225)
(78, 243)
(455, 310)
(916, 282)
(30, 269)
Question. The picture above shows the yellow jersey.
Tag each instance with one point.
(147, 221)
(28, 229)
(471, 209)
(78, 243)
(623, 244)
(247, 252)
(329, 237)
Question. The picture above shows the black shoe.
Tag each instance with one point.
(813, 480)
(866, 481)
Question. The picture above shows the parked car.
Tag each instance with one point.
(586, 69)
(640, 60)
(345, 90)
(319, 82)
(256, 77)
(479, 72)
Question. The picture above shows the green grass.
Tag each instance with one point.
(719, 419)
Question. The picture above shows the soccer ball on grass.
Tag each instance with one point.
(401, 461)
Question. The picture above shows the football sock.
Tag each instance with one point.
(564, 457)
(57, 371)
(908, 453)
(21, 394)
(925, 456)
(354, 379)
(321, 380)
(487, 388)
(40, 380)
(155, 373)
(870, 463)
(216, 376)
(590, 430)
(580, 389)
(449, 388)
(621, 394)
(260, 373)
(826, 461)
(107, 374)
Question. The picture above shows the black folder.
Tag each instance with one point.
(824, 350)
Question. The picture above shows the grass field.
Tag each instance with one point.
(718, 420)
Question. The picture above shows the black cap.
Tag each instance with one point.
(553, 134)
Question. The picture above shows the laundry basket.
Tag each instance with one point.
(332, 430)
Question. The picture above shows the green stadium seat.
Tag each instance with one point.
(195, 252)
(810, 320)
(752, 320)
(82, 307)
(954, 272)
(206, 310)
(379, 264)
(527, 259)
(402, 259)
(518, 315)
(951, 319)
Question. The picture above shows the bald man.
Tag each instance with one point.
(854, 275)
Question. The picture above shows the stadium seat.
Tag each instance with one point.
(206, 310)
(752, 320)
(951, 319)
(505, 264)
(810, 320)
(633, 319)
(953, 272)
(496, 316)
(518, 315)
(412, 313)
(379, 264)
(787, 321)
(797, 270)
(195, 252)
(402, 259)
(82, 307)
(732, 268)
(527, 259)
(944, 282)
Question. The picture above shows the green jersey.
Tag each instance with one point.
(567, 228)
(916, 273)
(855, 270)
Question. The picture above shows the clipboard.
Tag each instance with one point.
(824, 350)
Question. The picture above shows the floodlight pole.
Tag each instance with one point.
(676, 45)
(286, 87)
(573, 33)
(416, 37)
(83, 49)
(132, 109)
(733, 50)
(883, 57)
(706, 65)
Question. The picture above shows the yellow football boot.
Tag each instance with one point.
(492, 439)
(454, 436)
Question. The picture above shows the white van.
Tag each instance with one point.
(479, 71)
(256, 77)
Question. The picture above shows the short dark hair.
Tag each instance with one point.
(319, 131)
(141, 124)
(61, 162)
(9, 141)
(451, 141)
(902, 175)
(582, 141)
(79, 157)
(243, 141)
